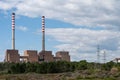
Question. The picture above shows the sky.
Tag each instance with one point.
(77, 26)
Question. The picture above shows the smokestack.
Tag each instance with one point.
(43, 33)
(13, 30)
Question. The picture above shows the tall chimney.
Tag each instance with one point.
(43, 33)
(13, 30)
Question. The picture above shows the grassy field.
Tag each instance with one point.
(77, 75)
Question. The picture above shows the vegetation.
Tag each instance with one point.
(81, 70)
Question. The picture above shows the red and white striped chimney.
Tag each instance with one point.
(43, 33)
(13, 30)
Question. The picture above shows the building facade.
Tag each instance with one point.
(12, 56)
(46, 56)
(32, 55)
(63, 55)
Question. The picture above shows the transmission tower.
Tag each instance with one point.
(98, 53)
(104, 57)
(98, 57)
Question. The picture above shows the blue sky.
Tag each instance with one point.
(77, 26)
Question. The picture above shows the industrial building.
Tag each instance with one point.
(12, 55)
(63, 55)
(33, 56)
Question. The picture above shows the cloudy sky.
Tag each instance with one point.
(77, 26)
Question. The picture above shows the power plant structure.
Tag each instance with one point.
(12, 55)
(13, 30)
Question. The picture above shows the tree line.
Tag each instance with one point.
(54, 67)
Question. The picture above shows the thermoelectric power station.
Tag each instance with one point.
(12, 55)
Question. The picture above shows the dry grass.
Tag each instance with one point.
(31, 76)
(78, 75)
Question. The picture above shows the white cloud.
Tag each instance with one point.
(8, 4)
(89, 13)
(22, 28)
(82, 43)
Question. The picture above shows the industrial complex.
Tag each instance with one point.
(12, 55)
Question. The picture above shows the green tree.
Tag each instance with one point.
(82, 65)
(30, 67)
(108, 65)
